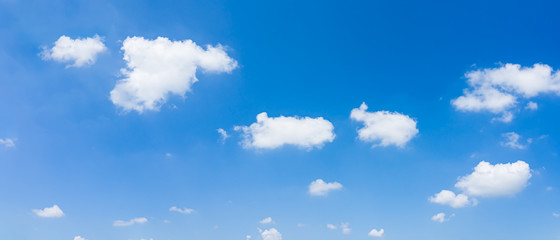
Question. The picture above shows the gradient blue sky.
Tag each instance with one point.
(76, 149)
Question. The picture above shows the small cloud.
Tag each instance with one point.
(183, 210)
(555, 214)
(247, 237)
(301, 225)
(121, 223)
(344, 227)
(168, 155)
(384, 128)
(446, 197)
(7, 142)
(49, 212)
(497, 180)
(79, 238)
(532, 106)
(266, 220)
(271, 234)
(441, 217)
(506, 117)
(80, 52)
(223, 134)
(511, 139)
(549, 188)
(322, 188)
(376, 233)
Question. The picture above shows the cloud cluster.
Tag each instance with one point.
(122, 223)
(80, 51)
(499, 90)
(384, 128)
(49, 212)
(274, 132)
(159, 68)
(322, 188)
(488, 181)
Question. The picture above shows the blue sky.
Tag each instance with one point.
(448, 86)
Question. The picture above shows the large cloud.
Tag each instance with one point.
(322, 188)
(161, 67)
(446, 197)
(489, 180)
(49, 212)
(498, 90)
(80, 51)
(274, 132)
(384, 128)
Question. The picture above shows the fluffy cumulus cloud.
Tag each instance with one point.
(489, 180)
(7, 142)
(376, 233)
(446, 197)
(79, 52)
(271, 234)
(122, 223)
(511, 140)
(322, 188)
(500, 90)
(181, 210)
(274, 132)
(384, 128)
(49, 212)
(159, 68)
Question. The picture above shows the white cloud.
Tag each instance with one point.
(223, 134)
(80, 51)
(532, 106)
(181, 210)
(384, 128)
(122, 223)
(441, 217)
(49, 212)
(274, 132)
(497, 90)
(266, 220)
(512, 140)
(344, 227)
(247, 237)
(79, 238)
(489, 180)
(7, 142)
(376, 233)
(271, 234)
(322, 188)
(159, 68)
(555, 214)
(446, 197)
